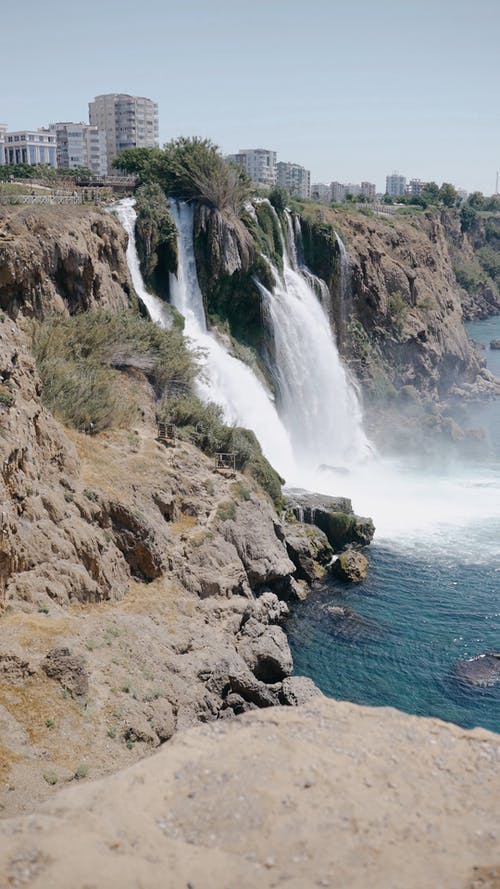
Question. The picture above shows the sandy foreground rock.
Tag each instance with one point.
(329, 794)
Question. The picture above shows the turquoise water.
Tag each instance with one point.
(432, 596)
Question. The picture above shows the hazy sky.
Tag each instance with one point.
(352, 89)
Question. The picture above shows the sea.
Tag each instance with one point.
(432, 594)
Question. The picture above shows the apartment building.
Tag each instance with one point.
(338, 192)
(80, 145)
(369, 190)
(293, 177)
(30, 147)
(259, 163)
(128, 121)
(320, 192)
(395, 185)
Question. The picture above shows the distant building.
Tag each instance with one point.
(320, 192)
(128, 121)
(81, 145)
(293, 177)
(337, 192)
(3, 131)
(395, 185)
(259, 163)
(415, 187)
(353, 189)
(30, 147)
(369, 189)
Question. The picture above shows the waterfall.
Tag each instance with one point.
(156, 308)
(224, 379)
(345, 311)
(317, 401)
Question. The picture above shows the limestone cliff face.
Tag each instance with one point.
(406, 313)
(128, 570)
(52, 259)
(60, 259)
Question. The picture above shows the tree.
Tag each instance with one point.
(141, 162)
(430, 192)
(448, 195)
(476, 200)
(468, 217)
(193, 168)
(279, 197)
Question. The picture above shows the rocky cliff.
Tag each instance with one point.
(324, 795)
(129, 571)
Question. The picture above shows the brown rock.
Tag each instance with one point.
(68, 669)
(351, 565)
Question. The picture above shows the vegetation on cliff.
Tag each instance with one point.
(156, 238)
(91, 367)
(81, 361)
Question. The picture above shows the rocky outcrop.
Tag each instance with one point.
(482, 671)
(309, 550)
(327, 794)
(68, 669)
(351, 566)
(334, 516)
(406, 312)
(60, 259)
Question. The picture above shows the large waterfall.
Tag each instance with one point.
(223, 378)
(317, 401)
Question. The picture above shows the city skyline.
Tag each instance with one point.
(347, 93)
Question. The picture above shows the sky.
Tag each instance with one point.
(351, 89)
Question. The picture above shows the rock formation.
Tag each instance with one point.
(326, 794)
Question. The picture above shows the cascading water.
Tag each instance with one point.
(317, 402)
(156, 308)
(345, 310)
(225, 380)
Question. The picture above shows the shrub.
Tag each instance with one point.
(193, 168)
(80, 359)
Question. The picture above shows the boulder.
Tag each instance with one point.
(309, 550)
(347, 624)
(298, 690)
(267, 609)
(351, 566)
(495, 344)
(482, 671)
(334, 516)
(253, 690)
(257, 539)
(67, 668)
(268, 655)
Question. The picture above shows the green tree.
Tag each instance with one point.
(141, 162)
(448, 195)
(468, 217)
(430, 192)
(279, 197)
(476, 200)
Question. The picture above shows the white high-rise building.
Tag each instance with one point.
(30, 147)
(80, 145)
(293, 177)
(395, 185)
(259, 163)
(128, 121)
